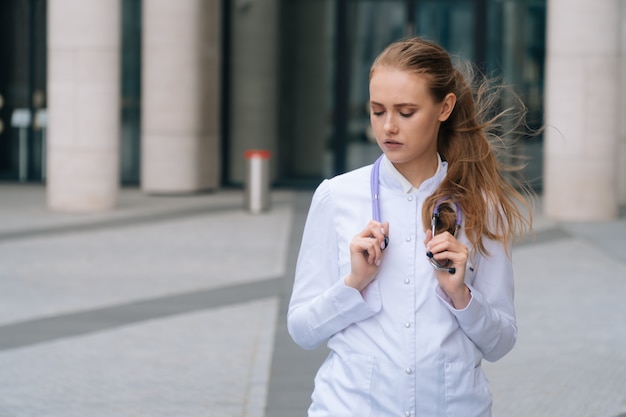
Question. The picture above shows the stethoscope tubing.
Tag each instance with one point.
(375, 191)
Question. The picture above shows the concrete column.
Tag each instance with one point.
(582, 110)
(621, 150)
(180, 96)
(83, 103)
(254, 80)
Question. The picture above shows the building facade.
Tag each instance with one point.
(168, 95)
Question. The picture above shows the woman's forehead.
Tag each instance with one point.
(400, 86)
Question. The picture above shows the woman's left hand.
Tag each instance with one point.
(447, 250)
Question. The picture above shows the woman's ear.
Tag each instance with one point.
(448, 105)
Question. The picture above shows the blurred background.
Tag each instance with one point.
(288, 76)
(168, 95)
(164, 298)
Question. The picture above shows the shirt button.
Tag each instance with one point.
(407, 324)
(407, 281)
(407, 414)
(408, 370)
(408, 238)
(410, 198)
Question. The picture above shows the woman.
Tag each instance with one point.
(410, 309)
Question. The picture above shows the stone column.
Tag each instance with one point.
(180, 96)
(621, 151)
(581, 110)
(83, 104)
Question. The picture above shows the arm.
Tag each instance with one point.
(489, 318)
(321, 303)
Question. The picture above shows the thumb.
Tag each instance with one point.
(429, 236)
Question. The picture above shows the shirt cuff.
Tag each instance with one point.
(341, 306)
(448, 301)
(348, 300)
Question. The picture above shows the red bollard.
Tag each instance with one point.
(257, 182)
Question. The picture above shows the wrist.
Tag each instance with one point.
(353, 283)
(460, 298)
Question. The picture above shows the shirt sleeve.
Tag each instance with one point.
(489, 318)
(321, 304)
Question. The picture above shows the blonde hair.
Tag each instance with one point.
(472, 142)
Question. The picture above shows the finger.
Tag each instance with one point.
(378, 231)
(429, 236)
(368, 247)
(441, 242)
(385, 232)
(375, 251)
(372, 225)
(438, 245)
(448, 256)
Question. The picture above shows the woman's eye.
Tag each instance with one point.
(406, 114)
(377, 113)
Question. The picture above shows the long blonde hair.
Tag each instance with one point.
(472, 143)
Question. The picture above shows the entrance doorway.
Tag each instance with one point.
(329, 46)
(22, 89)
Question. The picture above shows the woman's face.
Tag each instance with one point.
(404, 116)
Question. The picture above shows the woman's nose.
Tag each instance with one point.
(390, 126)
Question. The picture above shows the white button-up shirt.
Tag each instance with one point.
(399, 347)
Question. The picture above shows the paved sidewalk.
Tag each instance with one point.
(164, 307)
(175, 306)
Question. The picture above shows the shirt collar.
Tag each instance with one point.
(407, 187)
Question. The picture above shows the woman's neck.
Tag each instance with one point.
(418, 171)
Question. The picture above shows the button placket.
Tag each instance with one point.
(408, 324)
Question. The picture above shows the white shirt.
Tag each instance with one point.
(399, 347)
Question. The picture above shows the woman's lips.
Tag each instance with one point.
(392, 144)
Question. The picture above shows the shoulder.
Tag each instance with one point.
(346, 182)
(344, 188)
(351, 180)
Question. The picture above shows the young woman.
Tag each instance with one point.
(412, 302)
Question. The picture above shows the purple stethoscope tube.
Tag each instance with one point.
(375, 189)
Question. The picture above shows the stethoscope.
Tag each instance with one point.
(375, 188)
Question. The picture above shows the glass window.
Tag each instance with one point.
(22, 88)
(328, 48)
(449, 23)
(130, 129)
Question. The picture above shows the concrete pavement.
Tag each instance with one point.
(175, 306)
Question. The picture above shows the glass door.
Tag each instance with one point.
(329, 46)
(327, 49)
(22, 89)
(452, 24)
(130, 93)
(369, 26)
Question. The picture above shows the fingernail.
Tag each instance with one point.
(378, 262)
(429, 254)
(382, 230)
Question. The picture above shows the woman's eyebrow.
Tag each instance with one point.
(405, 105)
(397, 105)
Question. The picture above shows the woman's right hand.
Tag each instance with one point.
(366, 250)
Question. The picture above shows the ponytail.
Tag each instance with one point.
(472, 142)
